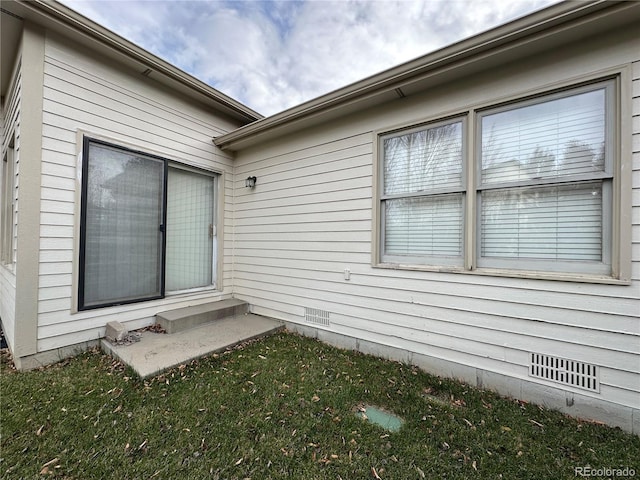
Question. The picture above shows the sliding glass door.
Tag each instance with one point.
(190, 229)
(148, 226)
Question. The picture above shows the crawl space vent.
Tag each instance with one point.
(316, 316)
(567, 372)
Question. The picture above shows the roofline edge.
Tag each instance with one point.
(70, 18)
(517, 29)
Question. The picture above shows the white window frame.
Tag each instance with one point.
(606, 177)
(612, 269)
(444, 260)
(7, 245)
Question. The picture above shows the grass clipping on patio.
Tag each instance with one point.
(283, 407)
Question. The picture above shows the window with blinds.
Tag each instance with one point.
(541, 193)
(545, 183)
(423, 194)
(7, 209)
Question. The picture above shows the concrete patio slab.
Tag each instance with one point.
(157, 352)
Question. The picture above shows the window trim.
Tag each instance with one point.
(604, 267)
(444, 261)
(618, 120)
(8, 214)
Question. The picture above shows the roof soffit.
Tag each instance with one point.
(536, 33)
(60, 19)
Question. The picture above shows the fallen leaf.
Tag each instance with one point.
(45, 468)
(239, 461)
(475, 467)
(50, 462)
(421, 473)
(375, 474)
(315, 399)
(39, 431)
(505, 429)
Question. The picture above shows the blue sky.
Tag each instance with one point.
(272, 55)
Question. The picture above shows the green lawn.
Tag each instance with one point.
(283, 407)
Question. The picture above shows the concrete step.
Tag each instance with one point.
(181, 319)
(157, 352)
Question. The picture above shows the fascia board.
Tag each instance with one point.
(531, 26)
(54, 15)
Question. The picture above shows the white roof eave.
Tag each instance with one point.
(58, 17)
(506, 41)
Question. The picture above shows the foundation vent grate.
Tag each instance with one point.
(316, 316)
(567, 372)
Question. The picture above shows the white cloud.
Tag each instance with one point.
(274, 55)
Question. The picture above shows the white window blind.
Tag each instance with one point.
(539, 196)
(423, 193)
(424, 225)
(557, 223)
(189, 229)
(545, 183)
(555, 138)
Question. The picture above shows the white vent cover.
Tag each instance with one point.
(567, 372)
(316, 316)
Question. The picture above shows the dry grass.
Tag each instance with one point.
(283, 407)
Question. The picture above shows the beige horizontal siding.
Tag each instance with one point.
(99, 98)
(11, 126)
(310, 218)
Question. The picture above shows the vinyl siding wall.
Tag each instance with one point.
(85, 94)
(11, 130)
(310, 218)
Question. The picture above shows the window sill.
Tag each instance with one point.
(492, 272)
(176, 293)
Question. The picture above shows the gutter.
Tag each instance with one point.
(389, 80)
(71, 19)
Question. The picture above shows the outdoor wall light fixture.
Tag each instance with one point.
(250, 182)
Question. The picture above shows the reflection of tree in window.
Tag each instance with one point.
(423, 160)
